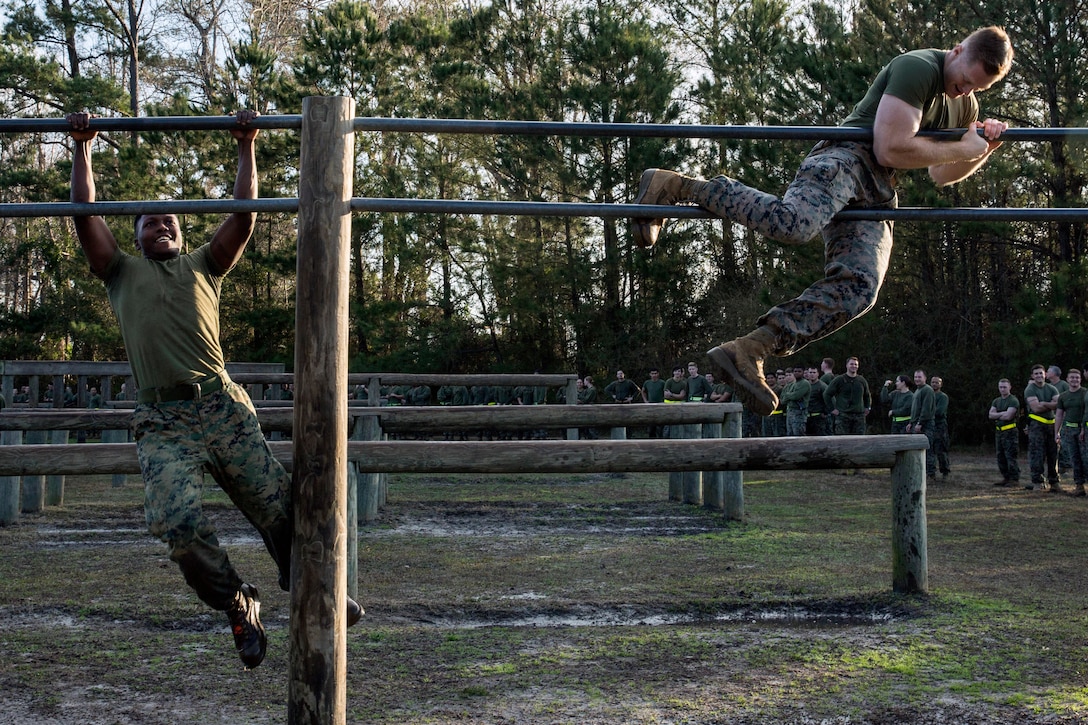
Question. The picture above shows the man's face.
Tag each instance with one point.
(1038, 376)
(1073, 378)
(654, 375)
(781, 377)
(1004, 389)
(852, 366)
(693, 370)
(619, 375)
(811, 375)
(935, 383)
(964, 75)
(919, 378)
(159, 236)
(710, 378)
(798, 373)
(677, 373)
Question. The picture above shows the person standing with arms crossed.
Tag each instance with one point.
(190, 417)
(1003, 412)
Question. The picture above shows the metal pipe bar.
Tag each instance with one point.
(516, 128)
(521, 208)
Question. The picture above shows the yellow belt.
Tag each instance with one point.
(673, 401)
(901, 419)
(1041, 419)
(1010, 426)
(777, 412)
(1072, 425)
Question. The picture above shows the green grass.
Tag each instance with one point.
(1000, 637)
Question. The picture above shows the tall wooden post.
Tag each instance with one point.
(10, 485)
(733, 481)
(910, 556)
(318, 667)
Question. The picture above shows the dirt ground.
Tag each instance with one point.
(578, 600)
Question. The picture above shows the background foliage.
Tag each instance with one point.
(972, 302)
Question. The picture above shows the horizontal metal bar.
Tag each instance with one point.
(176, 206)
(148, 123)
(522, 208)
(515, 128)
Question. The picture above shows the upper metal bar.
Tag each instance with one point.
(516, 128)
(517, 208)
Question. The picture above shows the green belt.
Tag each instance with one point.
(1072, 425)
(1041, 419)
(901, 419)
(777, 411)
(1010, 426)
(810, 415)
(186, 391)
(697, 399)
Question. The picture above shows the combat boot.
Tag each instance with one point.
(659, 186)
(740, 362)
(245, 625)
(1078, 491)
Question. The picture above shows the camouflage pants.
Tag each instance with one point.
(796, 421)
(177, 443)
(856, 253)
(1042, 453)
(850, 424)
(774, 426)
(1007, 444)
(931, 454)
(1077, 450)
(816, 425)
(941, 444)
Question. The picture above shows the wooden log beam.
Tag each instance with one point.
(428, 419)
(552, 456)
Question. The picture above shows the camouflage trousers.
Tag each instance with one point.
(774, 426)
(941, 444)
(1077, 450)
(1042, 453)
(856, 253)
(1007, 444)
(177, 443)
(931, 454)
(850, 424)
(817, 424)
(796, 421)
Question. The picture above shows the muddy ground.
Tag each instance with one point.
(592, 599)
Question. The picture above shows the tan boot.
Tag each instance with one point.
(659, 186)
(741, 364)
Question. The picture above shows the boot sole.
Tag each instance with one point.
(752, 397)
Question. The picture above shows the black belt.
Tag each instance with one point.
(184, 391)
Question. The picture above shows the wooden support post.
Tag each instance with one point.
(910, 558)
(693, 480)
(9, 485)
(713, 481)
(370, 484)
(571, 394)
(676, 478)
(116, 436)
(317, 676)
(733, 481)
(54, 484)
(33, 487)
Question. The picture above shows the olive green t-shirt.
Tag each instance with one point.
(169, 315)
(917, 78)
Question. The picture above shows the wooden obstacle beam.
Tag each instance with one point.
(903, 454)
(404, 419)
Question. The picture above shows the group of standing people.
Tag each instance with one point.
(1054, 416)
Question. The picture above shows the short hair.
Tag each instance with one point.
(854, 358)
(678, 367)
(902, 379)
(829, 361)
(1054, 370)
(1004, 380)
(991, 47)
(1037, 366)
(920, 370)
(1070, 371)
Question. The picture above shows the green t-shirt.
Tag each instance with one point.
(1002, 404)
(1044, 394)
(655, 390)
(916, 78)
(169, 315)
(1073, 403)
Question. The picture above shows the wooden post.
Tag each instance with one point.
(318, 664)
(910, 558)
(54, 484)
(370, 484)
(693, 480)
(713, 481)
(733, 481)
(9, 485)
(676, 478)
(33, 488)
(353, 520)
(571, 395)
(116, 436)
